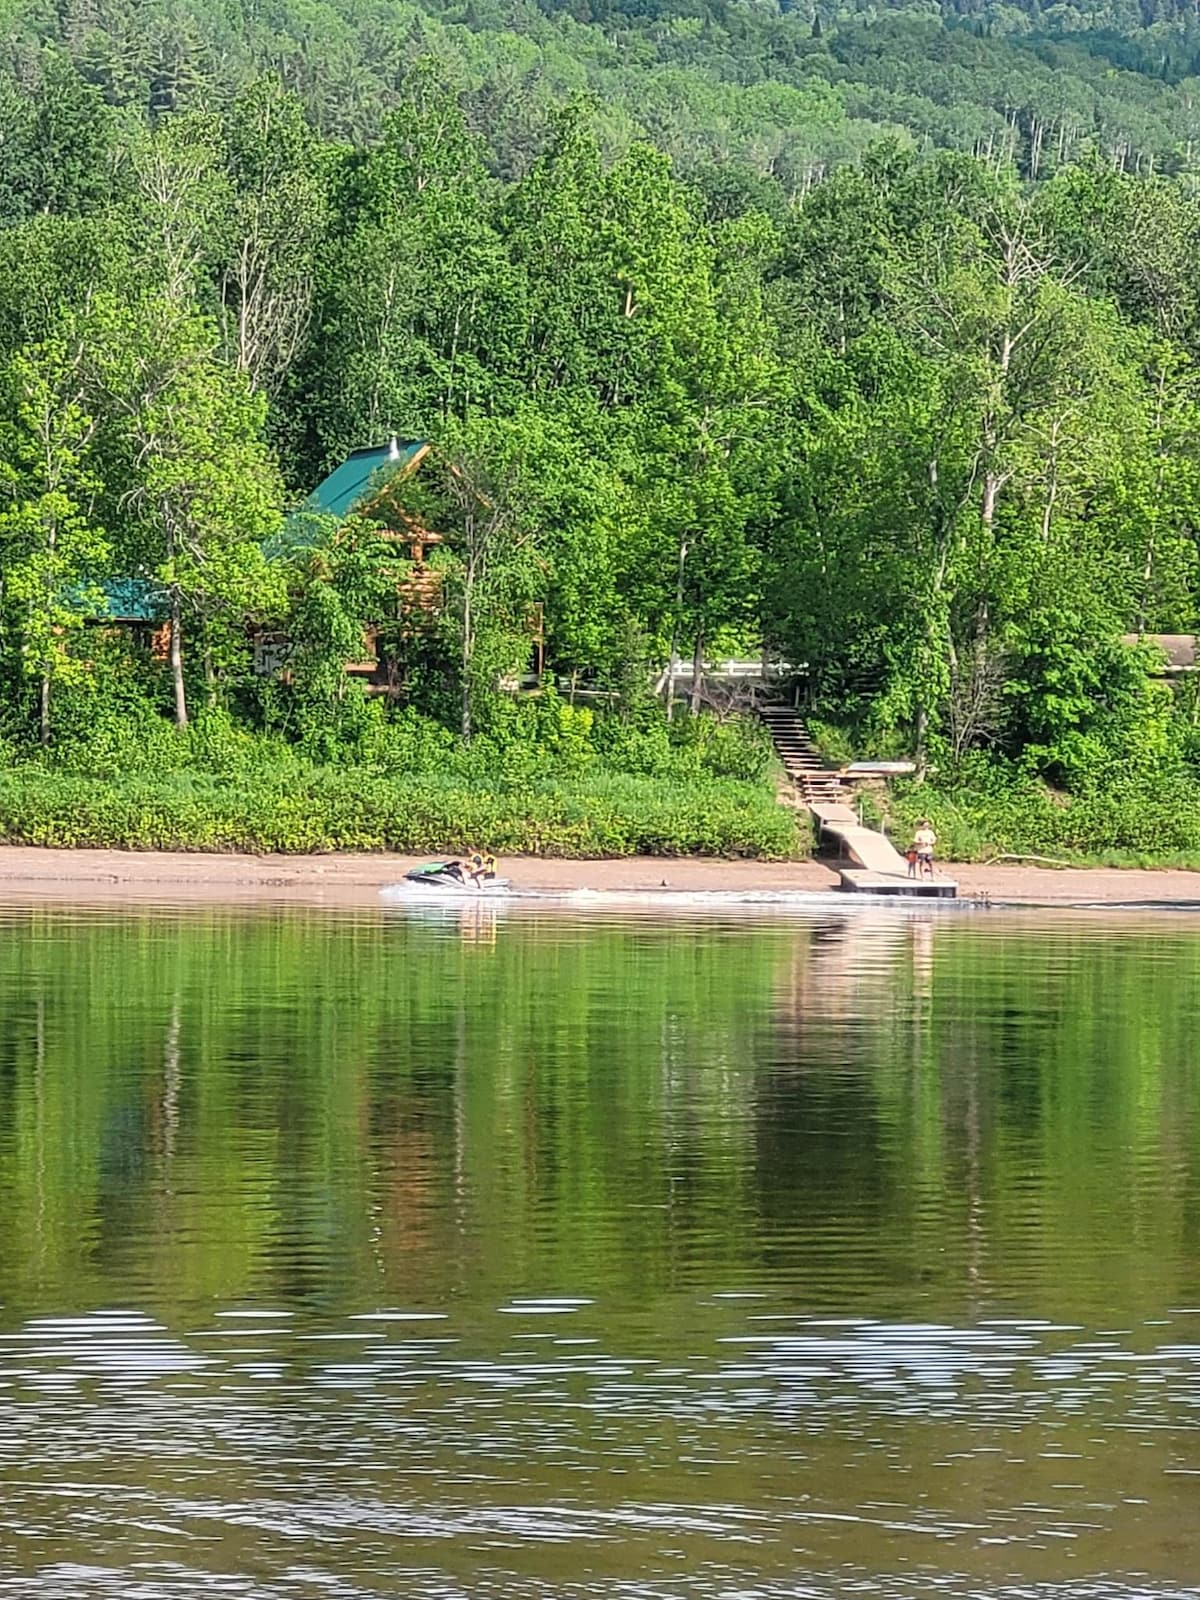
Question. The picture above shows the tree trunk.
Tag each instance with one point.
(993, 483)
(1147, 578)
(44, 695)
(468, 652)
(697, 672)
(1152, 533)
(1051, 499)
(675, 620)
(922, 734)
(176, 653)
(987, 511)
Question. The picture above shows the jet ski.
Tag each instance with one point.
(445, 878)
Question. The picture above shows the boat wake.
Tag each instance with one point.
(657, 900)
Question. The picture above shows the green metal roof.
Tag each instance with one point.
(135, 600)
(340, 493)
(120, 600)
(139, 600)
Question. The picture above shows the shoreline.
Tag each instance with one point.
(30, 874)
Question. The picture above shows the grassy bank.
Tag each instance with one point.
(541, 779)
(327, 809)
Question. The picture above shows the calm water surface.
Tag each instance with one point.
(397, 1254)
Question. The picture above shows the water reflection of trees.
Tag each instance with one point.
(236, 1104)
(231, 1104)
(981, 1106)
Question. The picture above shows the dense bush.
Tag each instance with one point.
(117, 729)
(1131, 821)
(542, 778)
(318, 809)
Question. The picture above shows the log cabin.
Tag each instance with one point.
(363, 488)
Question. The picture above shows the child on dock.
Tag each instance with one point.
(920, 852)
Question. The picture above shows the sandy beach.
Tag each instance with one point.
(114, 876)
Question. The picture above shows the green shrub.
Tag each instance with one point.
(1006, 813)
(317, 810)
(688, 747)
(739, 748)
(541, 776)
(836, 744)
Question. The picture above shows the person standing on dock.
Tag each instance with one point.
(920, 856)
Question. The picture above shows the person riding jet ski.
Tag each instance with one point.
(478, 868)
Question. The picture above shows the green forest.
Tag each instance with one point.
(862, 339)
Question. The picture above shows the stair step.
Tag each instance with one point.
(815, 782)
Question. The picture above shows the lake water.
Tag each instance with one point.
(389, 1253)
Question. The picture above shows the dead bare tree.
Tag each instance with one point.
(975, 708)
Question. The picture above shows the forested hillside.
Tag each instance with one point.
(786, 91)
(868, 339)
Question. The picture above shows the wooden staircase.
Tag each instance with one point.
(817, 783)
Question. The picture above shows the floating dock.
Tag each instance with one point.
(857, 881)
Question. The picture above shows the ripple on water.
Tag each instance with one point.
(555, 1445)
